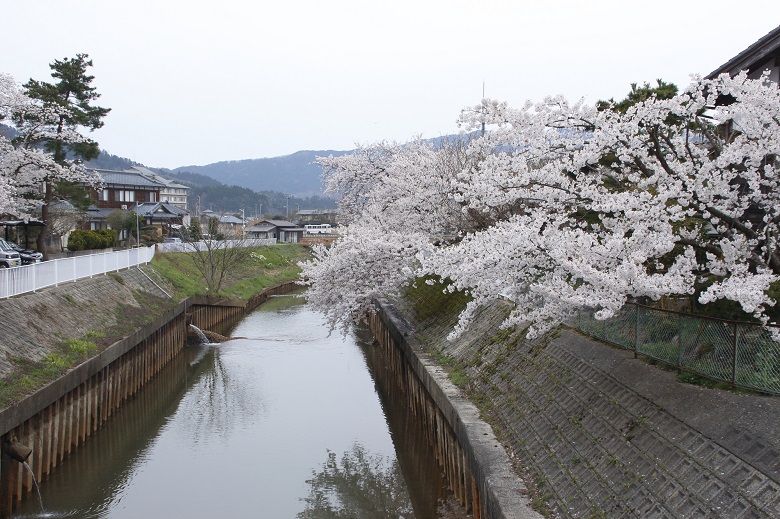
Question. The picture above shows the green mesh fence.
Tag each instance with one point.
(757, 362)
(741, 354)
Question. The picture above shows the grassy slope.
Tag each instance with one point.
(265, 266)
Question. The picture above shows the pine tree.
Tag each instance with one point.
(74, 92)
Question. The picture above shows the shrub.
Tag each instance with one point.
(83, 239)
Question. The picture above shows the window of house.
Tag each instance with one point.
(152, 196)
(126, 196)
(104, 195)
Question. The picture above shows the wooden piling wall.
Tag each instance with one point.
(209, 312)
(60, 417)
(478, 470)
(438, 433)
(57, 419)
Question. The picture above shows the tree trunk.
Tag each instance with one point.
(48, 195)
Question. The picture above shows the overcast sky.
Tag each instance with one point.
(191, 82)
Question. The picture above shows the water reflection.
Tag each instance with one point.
(359, 484)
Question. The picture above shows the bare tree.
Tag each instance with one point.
(63, 218)
(215, 258)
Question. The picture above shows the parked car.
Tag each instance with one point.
(172, 240)
(9, 257)
(29, 256)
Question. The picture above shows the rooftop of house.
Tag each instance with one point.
(127, 178)
(307, 212)
(148, 173)
(280, 223)
(261, 227)
(230, 219)
(758, 54)
(158, 209)
(137, 176)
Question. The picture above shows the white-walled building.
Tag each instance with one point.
(170, 192)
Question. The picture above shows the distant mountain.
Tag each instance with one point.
(189, 179)
(113, 162)
(207, 192)
(295, 174)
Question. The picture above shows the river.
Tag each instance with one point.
(283, 421)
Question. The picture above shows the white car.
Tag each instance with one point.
(9, 257)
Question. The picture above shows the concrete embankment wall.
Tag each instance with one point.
(477, 467)
(600, 433)
(58, 418)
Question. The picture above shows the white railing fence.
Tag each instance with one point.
(29, 278)
(214, 245)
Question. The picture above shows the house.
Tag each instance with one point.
(317, 216)
(164, 216)
(762, 55)
(227, 224)
(122, 189)
(230, 225)
(171, 192)
(282, 230)
(135, 189)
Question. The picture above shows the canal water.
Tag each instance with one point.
(282, 421)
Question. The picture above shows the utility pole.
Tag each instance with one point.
(483, 100)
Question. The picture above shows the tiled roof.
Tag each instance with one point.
(127, 178)
(230, 219)
(148, 173)
(281, 223)
(261, 227)
(158, 209)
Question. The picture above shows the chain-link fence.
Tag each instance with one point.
(741, 354)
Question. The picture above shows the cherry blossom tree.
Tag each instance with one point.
(395, 200)
(565, 206)
(24, 165)
(659, 200)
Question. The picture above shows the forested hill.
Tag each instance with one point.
(296, 174)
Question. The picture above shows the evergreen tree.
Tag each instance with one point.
(74, 93)
(638, 94)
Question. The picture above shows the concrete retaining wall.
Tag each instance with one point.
(602, 434)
